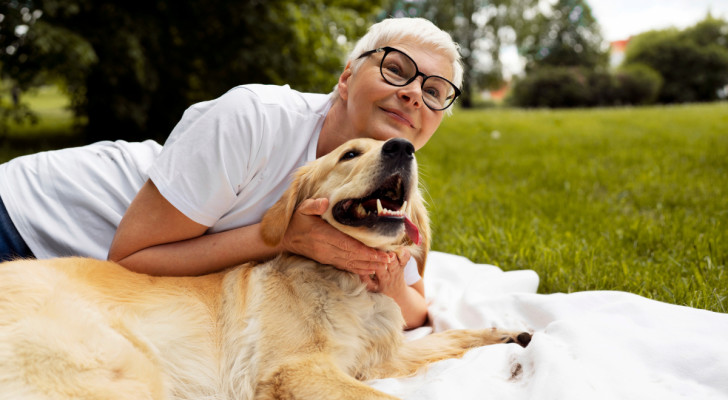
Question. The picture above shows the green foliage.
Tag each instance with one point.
(566, 60)
(631, 199)
(480, 27)
(53, 126)
(14, 113)
(141, 63)
(551, 87)
(562, 87)
(693, 63)
(567, 36)
(710, 31)
(638, 84)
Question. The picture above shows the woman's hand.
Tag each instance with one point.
(390, 281)
(310, 236)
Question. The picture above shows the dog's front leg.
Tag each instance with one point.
(414, 355)
(314, 377)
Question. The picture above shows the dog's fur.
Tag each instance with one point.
(289, 328)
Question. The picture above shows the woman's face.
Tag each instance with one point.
(381, 111)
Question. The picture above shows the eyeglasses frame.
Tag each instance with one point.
(387, 50)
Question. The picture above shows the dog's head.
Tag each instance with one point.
(373, 196)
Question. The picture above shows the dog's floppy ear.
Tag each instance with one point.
(419, 217)
(276, 219)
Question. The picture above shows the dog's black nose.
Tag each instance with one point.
(398, 148)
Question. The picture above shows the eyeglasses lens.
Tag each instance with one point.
(399, 70)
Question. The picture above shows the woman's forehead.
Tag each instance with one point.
(428, 60)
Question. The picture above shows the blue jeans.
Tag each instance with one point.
(12, 244)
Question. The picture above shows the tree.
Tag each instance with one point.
(480, 27)
(566, 36)
(710, 31)
(693, 63)
(150, 59)
(15, 20)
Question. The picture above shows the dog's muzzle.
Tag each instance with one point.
(384, 208)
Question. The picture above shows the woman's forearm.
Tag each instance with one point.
(202, 254)
(413, 305)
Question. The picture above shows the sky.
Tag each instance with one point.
(620, 19)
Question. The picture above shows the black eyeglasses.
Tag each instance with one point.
(399, 69)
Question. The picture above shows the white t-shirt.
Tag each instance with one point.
(225, 163)
(230, 159)
(69, 202)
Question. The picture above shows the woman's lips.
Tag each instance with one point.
(399, 116)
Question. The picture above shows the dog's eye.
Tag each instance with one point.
(349, 155)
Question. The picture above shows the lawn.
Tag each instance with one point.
(55, 127)
(632, 199)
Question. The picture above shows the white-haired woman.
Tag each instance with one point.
(194, 205)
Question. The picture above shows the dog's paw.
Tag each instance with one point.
(522, 339)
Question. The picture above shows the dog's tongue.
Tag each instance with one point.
(412, 231)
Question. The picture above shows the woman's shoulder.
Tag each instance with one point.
(283, 97)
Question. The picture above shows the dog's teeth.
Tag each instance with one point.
(361, 212)
(404, 207)
(381, 211)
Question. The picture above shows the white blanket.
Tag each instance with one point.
(586, 345)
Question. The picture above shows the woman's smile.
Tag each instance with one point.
(399, 116)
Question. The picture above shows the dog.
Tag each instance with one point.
(289, 328)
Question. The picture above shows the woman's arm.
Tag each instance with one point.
(411, 299)
(156, 238)
(413, 305)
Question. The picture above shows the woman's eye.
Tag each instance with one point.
(349, 155)
(394, 70)
(432, 92)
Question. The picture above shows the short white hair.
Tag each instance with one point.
(418, 30)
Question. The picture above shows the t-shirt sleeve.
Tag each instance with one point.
(411, 274)
(210, 155)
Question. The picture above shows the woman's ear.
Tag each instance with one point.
(343, 84)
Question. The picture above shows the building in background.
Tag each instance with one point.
(617, 51)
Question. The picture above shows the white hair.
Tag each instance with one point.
(418, 30)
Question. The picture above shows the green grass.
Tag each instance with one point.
(632, 199)
(55, 127)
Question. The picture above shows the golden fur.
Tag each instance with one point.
(75, 328)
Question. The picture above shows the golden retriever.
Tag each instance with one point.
(75, 328)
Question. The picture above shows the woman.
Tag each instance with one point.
(194, 206)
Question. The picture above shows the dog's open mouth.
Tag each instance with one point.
(383, 210)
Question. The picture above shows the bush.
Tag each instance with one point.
(560, 87)
(602, 88)
(638, 84)
(693, 63)
(555, 87)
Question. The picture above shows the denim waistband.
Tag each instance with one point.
(12, 244)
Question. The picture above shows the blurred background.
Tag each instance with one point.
(128, 69)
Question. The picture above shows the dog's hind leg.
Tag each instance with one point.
(315, 378)
(414, 355)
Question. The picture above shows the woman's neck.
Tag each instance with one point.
(336, 129)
